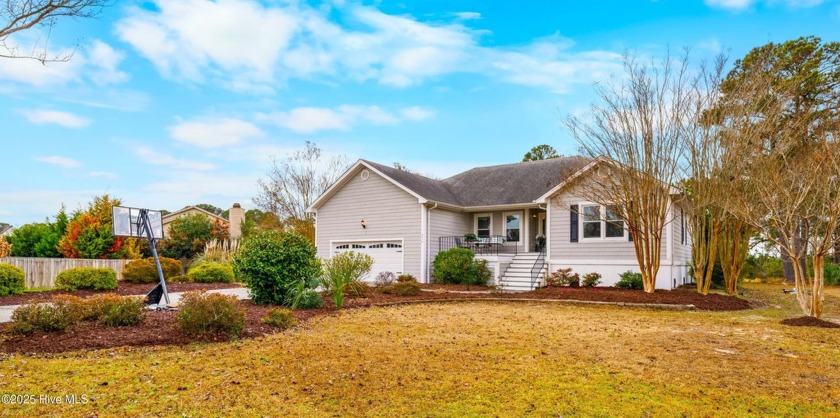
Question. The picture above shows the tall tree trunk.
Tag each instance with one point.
(734, 246)
(837, 246)
(705, 231)
(787, 259)
(817, 298)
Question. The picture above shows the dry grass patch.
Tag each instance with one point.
(463, 359)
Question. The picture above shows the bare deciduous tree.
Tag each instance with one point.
(20, 15)
(296, 181)
(637, 128)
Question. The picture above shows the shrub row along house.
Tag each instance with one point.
(525, 219)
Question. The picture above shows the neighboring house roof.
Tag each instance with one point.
(6, 230)
(507, 184)
(177, 214)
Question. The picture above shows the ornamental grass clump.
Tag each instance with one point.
(343, 272)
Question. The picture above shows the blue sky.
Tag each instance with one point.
(177, 102)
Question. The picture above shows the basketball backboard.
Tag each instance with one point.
(127, 222)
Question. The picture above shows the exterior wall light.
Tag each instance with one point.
(364, 225)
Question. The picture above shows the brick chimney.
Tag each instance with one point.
(236, 216)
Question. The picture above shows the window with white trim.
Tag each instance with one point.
(358, 246)
(376, 246)
(394, 245)
(513, 223)
(601, 222)
(342, 247)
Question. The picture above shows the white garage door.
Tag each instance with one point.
(387, 255)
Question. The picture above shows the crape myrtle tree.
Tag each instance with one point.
(21, 15)
(294, 183)
(635, 130)
(781, 133)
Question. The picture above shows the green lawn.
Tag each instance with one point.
(467, 359)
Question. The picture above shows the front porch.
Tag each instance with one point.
(502, 232)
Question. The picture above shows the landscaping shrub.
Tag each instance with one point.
(342, 273)
(145, 271)
(357, 289)
(479, 274)
(591, 279)
(309, 299)
(120, 311)
(86, 278)
(453, 265)
(211, 273)
(202, 312)
(630, 280)
(832, 274)
(181, 278)
(55, 314)
(272, 263)
(385, 278)
(563, 277)
(12, 280)
(406, 288)
(280, 318)
(405, 277)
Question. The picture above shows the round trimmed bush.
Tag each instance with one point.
(201, 312)
(272, 263)
(211, 273)
(145, 271)
(12, 280)
(86, 278)
(454, 266)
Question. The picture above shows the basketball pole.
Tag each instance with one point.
(144, 217)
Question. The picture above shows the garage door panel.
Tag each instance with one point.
(387, 255)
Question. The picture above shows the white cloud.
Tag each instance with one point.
(97, 62)
(417, 113)
(467, 15)
(242, 39)
(154, 157)
(313, 119)
(65, 119)
(739, 5)
(214, 133)
(244, 45)
(59, 161)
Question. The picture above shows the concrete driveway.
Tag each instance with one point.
(239, 292)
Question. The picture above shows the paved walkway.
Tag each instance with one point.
(239, 292)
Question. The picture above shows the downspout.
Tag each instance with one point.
(428, 239)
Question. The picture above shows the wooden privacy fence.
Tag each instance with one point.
(41, 272)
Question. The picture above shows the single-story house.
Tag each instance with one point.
(526, 218)
(236, 215)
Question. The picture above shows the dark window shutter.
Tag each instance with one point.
(682, 227)
(629, 235)
(573, 224)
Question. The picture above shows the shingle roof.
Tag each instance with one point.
(506, 184)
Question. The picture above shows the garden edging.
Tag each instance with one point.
(654, 306)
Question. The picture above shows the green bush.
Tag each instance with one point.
(12, 280)
(630, 280)
(458, 265)
(120, 311)
(55, 314)
(591, 279)
(145, 271)
(563, 277)
(272, 263)
(86, 278)
(201, 312)
(309, 299)
(280, 318)
(181, 278)
(342, 273)
(832, 274)
(211, 273)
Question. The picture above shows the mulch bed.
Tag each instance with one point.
(162, 328)
(456, 287)
(124, 289)
(809, 321)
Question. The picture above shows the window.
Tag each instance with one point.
(592, 222)
(358, 246)
(602, 222)
(512, 225)
(483, 224)
(394, 245)
(342, 247)
(614, 223)
(376, 246)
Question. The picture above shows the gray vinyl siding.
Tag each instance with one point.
(446, 223)
(563, 249)
(388, 211)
